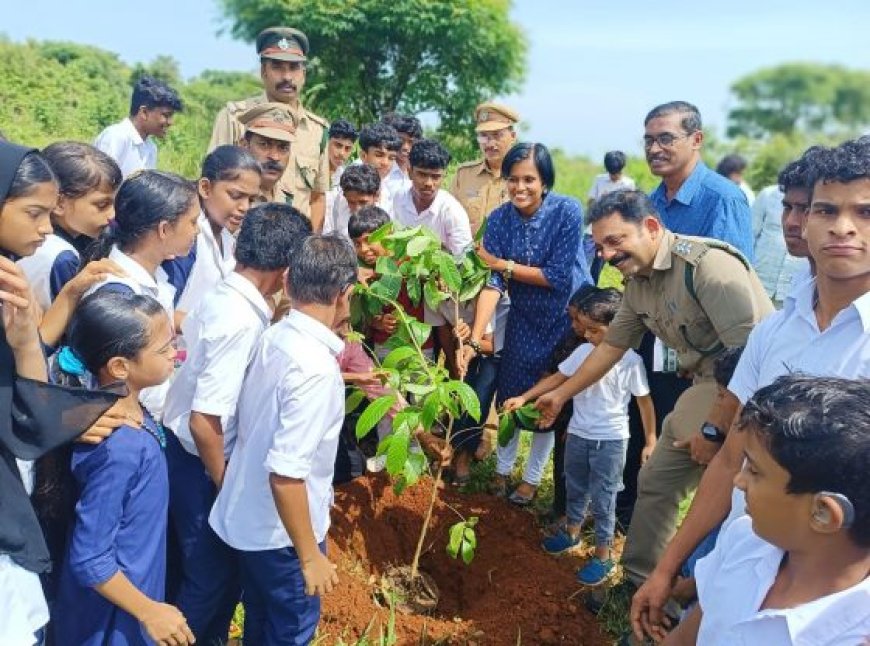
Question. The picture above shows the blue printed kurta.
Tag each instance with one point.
(120, 525)
(549, 239)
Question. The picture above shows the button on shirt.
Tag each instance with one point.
(601, 411)
(775, 266)
(290, 415)
(445, 217)
(790, 341)
(219, 348)
(733, 581)
(123, 143)
(707, 205)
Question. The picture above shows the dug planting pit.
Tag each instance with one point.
(510, 589)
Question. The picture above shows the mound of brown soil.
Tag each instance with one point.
(512, 589)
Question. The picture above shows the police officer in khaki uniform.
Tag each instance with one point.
(699, 296)
(283, 52)
(269, 136)
(478, 185)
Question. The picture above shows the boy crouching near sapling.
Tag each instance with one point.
(597, 438)
(794, 570)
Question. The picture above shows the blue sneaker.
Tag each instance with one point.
(595, 572)
(560, 542)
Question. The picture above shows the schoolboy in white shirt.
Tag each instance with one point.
(221, 332)
(274, 503)
(597, 440)
(426, 204)
(360, 186)
(795, 569)
(130, 142)
(823, 329)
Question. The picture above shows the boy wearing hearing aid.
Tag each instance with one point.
(794, 570)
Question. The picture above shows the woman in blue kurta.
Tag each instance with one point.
(113, 577)
(533, 245)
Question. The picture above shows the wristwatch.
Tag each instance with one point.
(712, 433)
(509, 269)
(475, 345)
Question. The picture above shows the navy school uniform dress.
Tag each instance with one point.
(120, 525)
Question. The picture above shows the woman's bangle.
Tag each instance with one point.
(509, 270)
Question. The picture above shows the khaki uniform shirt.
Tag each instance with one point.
(308, 170)
(730, 301)
(479, 191)
(277, 194)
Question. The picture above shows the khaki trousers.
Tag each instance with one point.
(664, 482)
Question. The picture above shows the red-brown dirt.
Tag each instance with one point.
(512, 589)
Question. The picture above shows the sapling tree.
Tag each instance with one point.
(434, 400)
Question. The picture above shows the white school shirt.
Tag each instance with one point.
(334, 191)
(221, 333)
(789, 341)
(733, 581)
(213, 264)
(158, 287)
(396, 180)
(445, 217)
(339, 215)
(289, 419)
(23, 602)
(601, 410)
(123, 143)
(38, 267)
(604, 185)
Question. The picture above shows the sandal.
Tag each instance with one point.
(520, 500)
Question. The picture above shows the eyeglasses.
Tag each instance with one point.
(496, 135)
(665, 140)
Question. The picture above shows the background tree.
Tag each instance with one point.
(411, 56)
(800, 98)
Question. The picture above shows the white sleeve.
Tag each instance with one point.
(225, 361)
(593, 192)
(459, 238)
(744, 382)
(305, 416)
(570, 365)
(110, 144)
(637, 382)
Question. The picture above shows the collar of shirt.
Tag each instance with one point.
(805, 625)
(336, 175)
(134, 134)
(314, 328)
(407, 197)
(484, 169)
(246, 288)
(805, 296)
(222, 254)
(396, 173)
(663, 260)
(136, 272)
(688, 189)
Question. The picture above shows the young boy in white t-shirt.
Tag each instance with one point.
(794, 570)
(597, 438)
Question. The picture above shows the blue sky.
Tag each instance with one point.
(594, 68)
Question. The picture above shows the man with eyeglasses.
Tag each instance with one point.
(283, 53)
(692, 199)
(478, 185)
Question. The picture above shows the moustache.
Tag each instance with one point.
(272, 165)
(618, 259)
(289, 85)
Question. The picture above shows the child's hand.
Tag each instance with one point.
(92, 273)
(166, 625)
(108, 422)
(647, 452)
(461, 331)
(319, 574)
(371, 378)
(365, 275)
(20, 313)
(389, 323)
(435, 447)
(513, 404)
